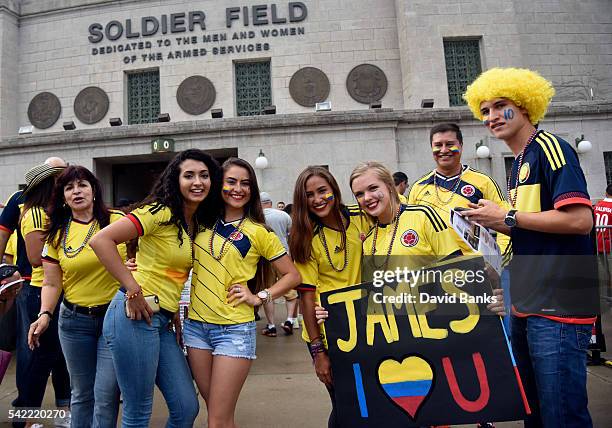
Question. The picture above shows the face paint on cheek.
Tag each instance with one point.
(436, 150)
(226, 189)
(328, 196)
(380, 196)
(508, 114)
(454, 149)
(486, 122)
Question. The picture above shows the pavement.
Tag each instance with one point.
(283, 391)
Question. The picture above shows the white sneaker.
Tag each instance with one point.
(63, 422)
(296, 324)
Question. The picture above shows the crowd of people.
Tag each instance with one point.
(106, 325)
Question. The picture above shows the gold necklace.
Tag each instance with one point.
(396, 221)
(231, 237)
(326, 248)
(452, 191)
(71, 253)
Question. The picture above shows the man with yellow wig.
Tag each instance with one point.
(553, 283)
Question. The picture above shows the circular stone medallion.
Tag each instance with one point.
(309, 86)
(196, 95)
(366, 83)
(91, 105)
(44, 110)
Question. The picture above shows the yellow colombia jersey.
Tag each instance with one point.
(11, 247)
(212, 278)
(402, 199)
(420, 231)
(473, 186)
(34, 220)
(85, 280)
(317, 273)
(163, 261)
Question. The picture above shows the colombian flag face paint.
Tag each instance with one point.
(436, 150)
(454, 149)
(329, 196)
(226, 188)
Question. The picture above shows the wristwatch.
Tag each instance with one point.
(510, 219)
(265, 296)
(45, 313)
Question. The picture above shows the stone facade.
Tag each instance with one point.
(45, 47)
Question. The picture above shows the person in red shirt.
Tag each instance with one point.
(603, 217)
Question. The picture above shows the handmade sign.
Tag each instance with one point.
(421, 351)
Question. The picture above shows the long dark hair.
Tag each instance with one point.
(302, 220)
(252, 209)
(264, 274)
(39, 195)
(59, 212)
(166, 191)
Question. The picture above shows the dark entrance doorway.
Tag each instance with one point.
(131, 177)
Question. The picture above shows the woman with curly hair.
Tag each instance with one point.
(138, 322)
(76, 213)
(325, 243)
(220, 332)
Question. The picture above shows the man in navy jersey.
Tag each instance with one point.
(553, 275)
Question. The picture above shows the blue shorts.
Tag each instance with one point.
(231, 340)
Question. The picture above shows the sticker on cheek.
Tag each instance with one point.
(508, 114)
(329, 196)
(226, 189)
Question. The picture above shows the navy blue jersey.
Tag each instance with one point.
(550, 178)
(9, 221)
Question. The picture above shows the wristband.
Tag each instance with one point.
(134, 295)
(316, 348)
(45, 313)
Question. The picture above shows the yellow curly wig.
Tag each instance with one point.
(526, 88)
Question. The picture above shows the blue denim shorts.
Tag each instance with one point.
(231, 340)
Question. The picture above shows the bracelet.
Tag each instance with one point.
(316, 348)
(134, 295)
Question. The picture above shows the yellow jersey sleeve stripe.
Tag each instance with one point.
(431, 215)
(38, 220)
(555, 149)
(551, 162)
(156, 208)
(278, 256)
(423, 177)
(556, 146)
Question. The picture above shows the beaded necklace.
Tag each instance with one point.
(326, 249)
(452, 191)
(396, 221)
(518, 171)
(230, 237)
(69, 252)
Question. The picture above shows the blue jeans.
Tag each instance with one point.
(551, 358)
(145, 355)
(95, 393)
(33, 367)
